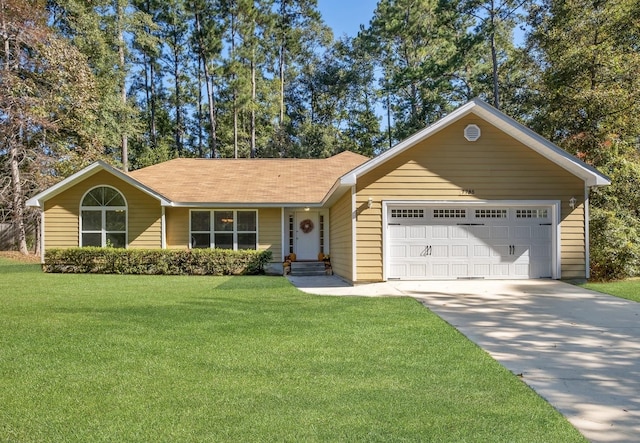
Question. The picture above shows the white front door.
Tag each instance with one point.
(307, 235)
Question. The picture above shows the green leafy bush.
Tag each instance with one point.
(615, 252)
(156, 261)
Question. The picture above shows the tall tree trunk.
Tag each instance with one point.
(149, 89)
(253, 105)
(178, 104)
(199, 119)
(152, 84)
(18, 197)
(281, 58)
(123, 85)
(213, 141)
(494, 57)
(235, 86)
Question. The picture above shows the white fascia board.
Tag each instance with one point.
(352, 176)
(39, 199)
(544, 147)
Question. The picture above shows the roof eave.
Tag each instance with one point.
(39, 199)
(529, 138)
(544, 147)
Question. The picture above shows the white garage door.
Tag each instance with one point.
(473, 241)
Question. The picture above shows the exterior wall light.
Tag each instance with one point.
(306, 209)
(572, 202)
(370, 202)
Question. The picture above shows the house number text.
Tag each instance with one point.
(468, 192)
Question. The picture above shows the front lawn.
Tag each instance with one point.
(629, 289)
(143, 358)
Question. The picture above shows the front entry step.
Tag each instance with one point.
(308, 268)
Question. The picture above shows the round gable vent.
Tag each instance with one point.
(472, 132)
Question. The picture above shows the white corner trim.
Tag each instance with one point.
(587, 243)
(385, 252)
(163, 228)
(42, 230)
(354, 233)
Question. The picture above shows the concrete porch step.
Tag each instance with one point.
(307, 268)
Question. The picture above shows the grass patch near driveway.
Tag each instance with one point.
(146, 358)
(629, 289)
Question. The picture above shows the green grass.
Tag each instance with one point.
(629, 289)
(165, 359)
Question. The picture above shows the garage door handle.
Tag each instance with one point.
(470, 224)
(545, 224)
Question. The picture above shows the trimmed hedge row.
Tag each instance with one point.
(156, 261)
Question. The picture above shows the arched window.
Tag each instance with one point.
(103, 218)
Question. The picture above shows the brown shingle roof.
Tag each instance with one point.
(247, 181)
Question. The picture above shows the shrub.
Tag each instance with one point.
(615, 252)
(156, 261)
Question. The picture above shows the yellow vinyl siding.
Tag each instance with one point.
(270, 232)
(442, 167)
(177, 220)
(340, 234)
(63, 210)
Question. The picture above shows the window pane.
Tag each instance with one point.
(200, 221)
(246, 241)
(247, 221)
(91, 220)
(115, 220)
(200, 240)
(116, 240)
(103, 196)
(224, 241)
(223, 220)
(93, 198)
(111, 197)
(92, 240)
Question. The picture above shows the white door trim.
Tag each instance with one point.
(554, 205)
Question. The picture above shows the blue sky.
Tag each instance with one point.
(346, 16)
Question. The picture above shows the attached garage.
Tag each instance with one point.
(474, 195)
(492, 240)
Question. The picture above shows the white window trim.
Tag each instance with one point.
(212, 232)
(104, 209)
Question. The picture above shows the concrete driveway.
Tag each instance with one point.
(578, 349)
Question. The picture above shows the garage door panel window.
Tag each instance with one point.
(103, 218)
(449, 213)
(532, 213)
(407, 213)
(491, 213)
(226, 229)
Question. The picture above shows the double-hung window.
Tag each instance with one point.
(224, 229)
(103, 218)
